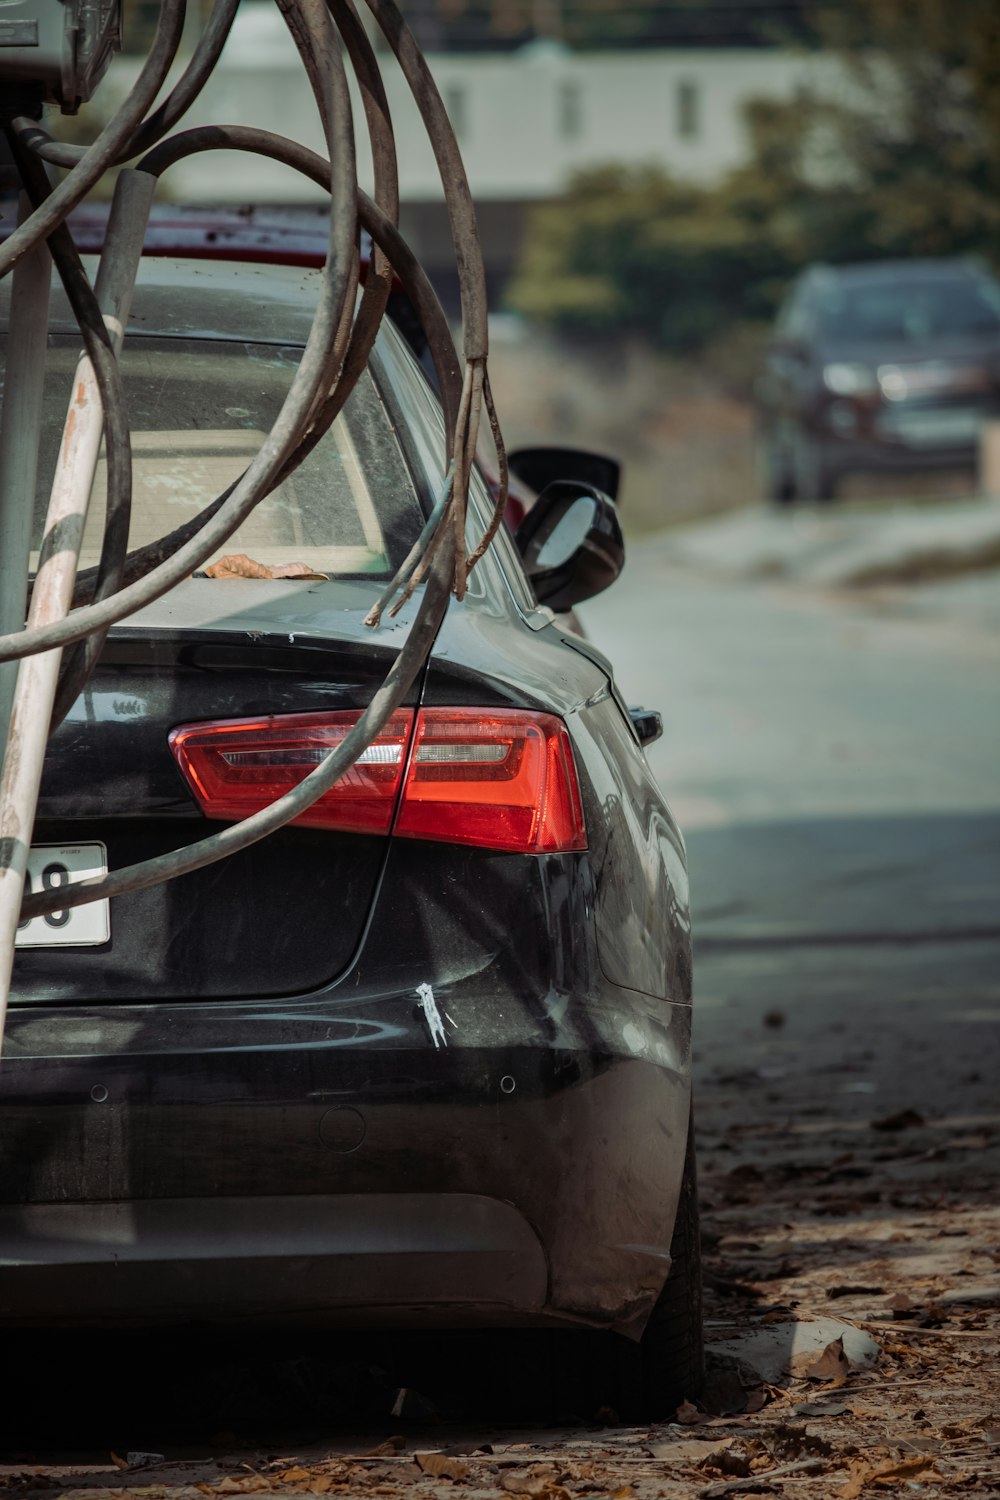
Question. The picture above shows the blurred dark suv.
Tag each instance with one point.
(891, 365)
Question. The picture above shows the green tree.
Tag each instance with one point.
(897, 155)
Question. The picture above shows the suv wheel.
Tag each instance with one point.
(774, 477)
(812, 476)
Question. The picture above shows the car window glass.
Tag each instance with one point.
(199, 413)
(425, 426)
(910, 311)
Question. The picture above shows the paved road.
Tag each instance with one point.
(833, 759)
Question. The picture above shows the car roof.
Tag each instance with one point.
(255, 304)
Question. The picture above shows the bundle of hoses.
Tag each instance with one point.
(70, 613)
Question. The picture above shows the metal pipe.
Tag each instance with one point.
(105, 151)
(53, 591)
(20, 425)
(330, 364)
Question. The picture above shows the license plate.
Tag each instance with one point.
(49, 867)
(930, 429)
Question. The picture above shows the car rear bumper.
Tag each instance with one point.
(369, 1176)
(353, 1255)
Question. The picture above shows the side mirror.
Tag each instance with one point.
(571, 544)
(540, 467)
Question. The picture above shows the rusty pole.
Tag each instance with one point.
(52, 594)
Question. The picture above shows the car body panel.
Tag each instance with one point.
(476, 1109)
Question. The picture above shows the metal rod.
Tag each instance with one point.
(20, 425)
(53, 590)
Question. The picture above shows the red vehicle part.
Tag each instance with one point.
(495, 778)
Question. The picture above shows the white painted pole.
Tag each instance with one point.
(52, 594)
(20, 425)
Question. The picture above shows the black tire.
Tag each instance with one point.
(672, 1349)
(647, 1381)
(774, 479)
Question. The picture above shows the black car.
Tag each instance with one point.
(424, 1059)
(888, 366)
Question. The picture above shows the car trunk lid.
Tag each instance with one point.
(282, 917)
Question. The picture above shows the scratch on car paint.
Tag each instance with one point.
(434, 1022)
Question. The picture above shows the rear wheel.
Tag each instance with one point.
(647, 1381)
(671, 1350)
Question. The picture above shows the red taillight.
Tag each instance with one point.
(498, 778)
(236, 767)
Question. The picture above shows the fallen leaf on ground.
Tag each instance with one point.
(394, 1444)
(724, 1394)
(688, 1415)
(229, 1486)
(883, 1477)
(831, 1364)
(685, 1451)
(728, 1461)
(540, 1482)
(439, 1466)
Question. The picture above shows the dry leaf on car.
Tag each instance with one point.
(239, 565)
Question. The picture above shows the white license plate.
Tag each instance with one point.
(49, 867)
(930, 429)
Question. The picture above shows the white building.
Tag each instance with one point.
(525, 121)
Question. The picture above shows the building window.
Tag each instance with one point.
(570, 111)
(688, 110)
(454, 103)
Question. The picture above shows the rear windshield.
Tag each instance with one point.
(199, 412)
(910, 310)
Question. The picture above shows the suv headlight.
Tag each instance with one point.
(849, 379)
